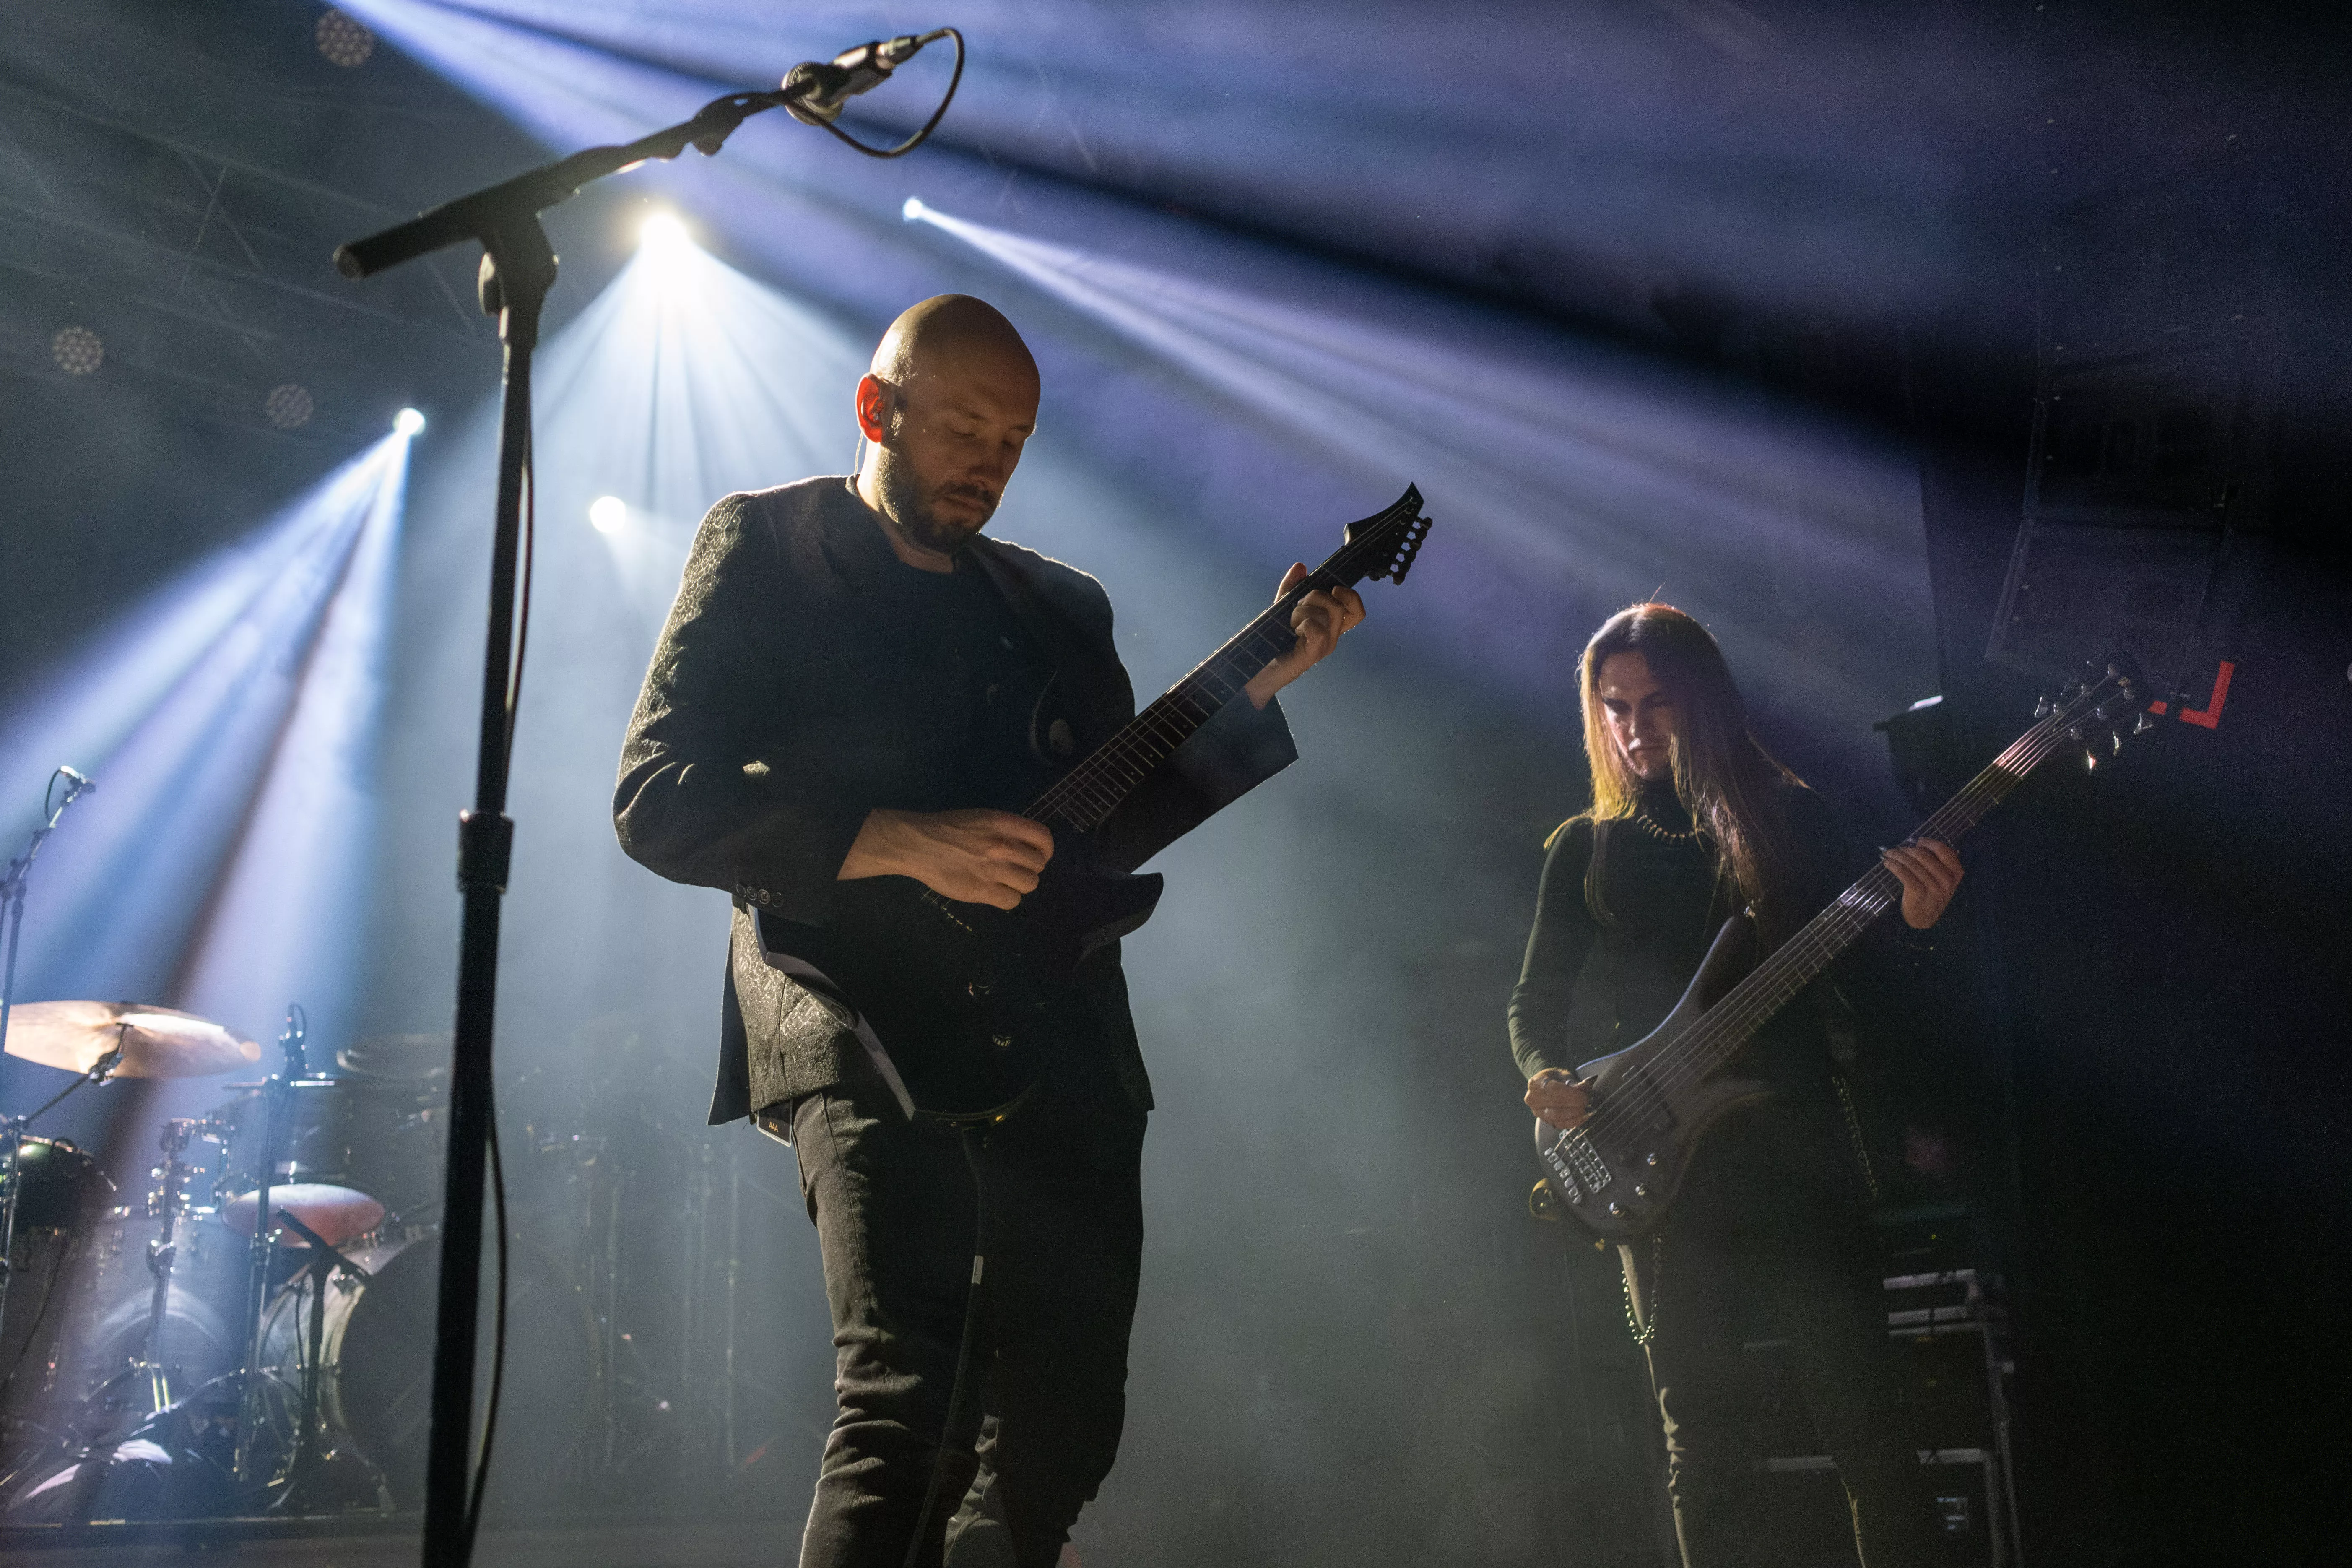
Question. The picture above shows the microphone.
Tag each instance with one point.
(816, 90)
(81, 782)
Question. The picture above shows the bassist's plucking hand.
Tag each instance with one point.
(1319, 621)
(1559, 1097)
(975, 857)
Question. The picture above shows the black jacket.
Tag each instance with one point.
(789, 697)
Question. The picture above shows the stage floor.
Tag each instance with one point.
(392, 1543)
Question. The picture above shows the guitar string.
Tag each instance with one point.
(1136, 745)
(1085, 780)
(1727, 1028)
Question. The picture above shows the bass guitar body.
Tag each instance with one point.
(1618, 1173)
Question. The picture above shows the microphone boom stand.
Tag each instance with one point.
(517, 269)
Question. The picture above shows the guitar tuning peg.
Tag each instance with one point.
(2042, 708)
(2117, 737)
(2144, 723)
(2090, 760)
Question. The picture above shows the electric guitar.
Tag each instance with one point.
(1651, 1103)
(967, 987)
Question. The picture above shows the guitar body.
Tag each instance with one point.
(964, 984)
(1618, 1173)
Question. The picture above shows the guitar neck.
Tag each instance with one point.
(1729, 1025)
(1086, 795)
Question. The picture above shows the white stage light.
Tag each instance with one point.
(408, 421)
(913, 210)
(663, 231)
(607, 513)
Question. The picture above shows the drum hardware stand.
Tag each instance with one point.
(274, 1091)
(317, 1477)
(12, 908)
(163, 1253)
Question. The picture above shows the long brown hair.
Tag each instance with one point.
(1725, 778)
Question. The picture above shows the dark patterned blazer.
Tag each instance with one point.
(791, 694)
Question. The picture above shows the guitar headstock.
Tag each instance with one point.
(2099, 708)
(1383, 544)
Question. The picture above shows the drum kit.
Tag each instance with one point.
(255, 1336)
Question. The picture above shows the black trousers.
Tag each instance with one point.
(893, 1201)
(1770, 1239)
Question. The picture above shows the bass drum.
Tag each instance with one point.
(377, 1359)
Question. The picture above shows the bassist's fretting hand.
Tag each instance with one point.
(976, 856)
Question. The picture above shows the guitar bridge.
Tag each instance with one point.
(1589, 1167)
(1577, 1165)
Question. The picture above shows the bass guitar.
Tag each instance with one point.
(1651, 1103)
(972, 983)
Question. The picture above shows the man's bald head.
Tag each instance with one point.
(951, 332)
(950, 399)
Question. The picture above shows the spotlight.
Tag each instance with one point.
(662, 231)
(408, 422)
(607, 513)
(913, 210)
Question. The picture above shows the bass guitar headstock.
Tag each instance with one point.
(2099, 708)
(1383, 544)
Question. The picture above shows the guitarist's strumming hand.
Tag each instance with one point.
(1319, 620)
(1559, 1097)
(975, 857)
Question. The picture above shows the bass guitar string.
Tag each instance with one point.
(1824, 939)
(1727, 1028)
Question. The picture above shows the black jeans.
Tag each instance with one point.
(1769, 1236)
(893, 1204)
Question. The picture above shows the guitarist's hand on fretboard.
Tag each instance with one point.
(1930, 870)
(1319, 621)
(975, 857)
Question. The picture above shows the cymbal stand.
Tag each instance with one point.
(314, 1474)
(162, 1252)
(12, 908)
(274, 1091)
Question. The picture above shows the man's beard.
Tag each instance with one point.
(906, 503)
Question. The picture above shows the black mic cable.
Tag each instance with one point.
(816, 92)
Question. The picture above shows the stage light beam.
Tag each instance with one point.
(608, 514)
(408, 422)
(913, 210)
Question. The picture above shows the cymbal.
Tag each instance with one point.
(397, 1056)
(337, 1214)
(157, 1042)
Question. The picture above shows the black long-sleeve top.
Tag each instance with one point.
(1586, 989)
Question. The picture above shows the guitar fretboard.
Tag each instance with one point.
(1086, 795)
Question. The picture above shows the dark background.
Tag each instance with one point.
(2072, 264)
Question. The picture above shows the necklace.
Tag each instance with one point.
(1643, 820)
